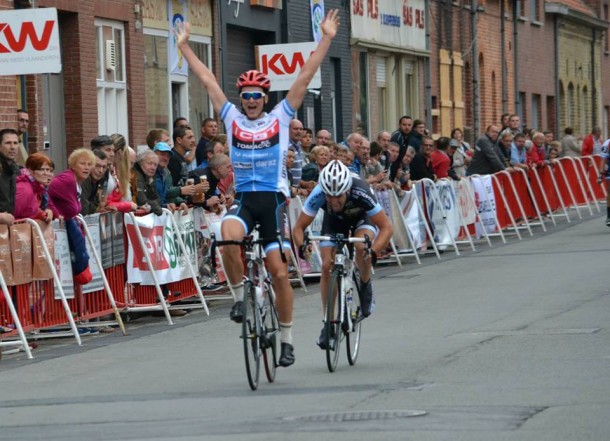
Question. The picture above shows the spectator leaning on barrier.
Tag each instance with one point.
(401, 138)
(518, 153)
(505, 143)
(441, 160)
(295, 132)
(32, 198)
(592, 144)
(487, 156)
(209, 129)
(459, 158)
(169, 194)
(143, 183)
(92, 197)
(178, 164)
(64, 193)
(218, 168)
(9, 170)
(421, 165)
(119, 196)
(320, 155)
(157, 135)
(306, 144)
(323, 137)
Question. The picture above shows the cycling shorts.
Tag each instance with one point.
(332, 225)
(265, 208)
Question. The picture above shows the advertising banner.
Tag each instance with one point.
(97, 283)
(177, 13)
(41, 270)
(205, 224)
(29, 41)
(21, 250)
(486, 204)
(160, 241)
(415, 222)
(283, 62)
(63, 263)
(445, 218)
(314, 264)
(317, 15)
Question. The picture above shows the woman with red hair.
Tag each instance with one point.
(31, 197)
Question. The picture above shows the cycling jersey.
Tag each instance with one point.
(360, 203)
(605, 154)
(258, 148)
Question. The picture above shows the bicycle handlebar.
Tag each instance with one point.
(247, 241)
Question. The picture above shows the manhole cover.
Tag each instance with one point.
(376, 415)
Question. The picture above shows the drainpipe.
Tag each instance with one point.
(516, 55)
(427, 68)
(222, 33)
(594, 122)
(476, 101)
(503, 51)
(556, 62)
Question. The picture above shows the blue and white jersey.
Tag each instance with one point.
(258, 148)
(605, 154)
(360, 203)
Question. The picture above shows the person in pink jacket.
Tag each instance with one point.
(31, 197)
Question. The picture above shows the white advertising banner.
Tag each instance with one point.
(93, 224)
(445, 218)
(395, 23)
(283, 62)
(161, 243)
(29, 42)
(63, 263)
(486, 204)
(314, 264)
(465, 196)
(415, 222)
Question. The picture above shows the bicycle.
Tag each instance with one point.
(260, 323)
(343, 315)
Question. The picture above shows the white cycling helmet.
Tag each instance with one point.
(335, 178)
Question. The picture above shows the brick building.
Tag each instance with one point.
(389, 58)
(99, 89)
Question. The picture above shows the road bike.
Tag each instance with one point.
(260, 323)
(343, 314)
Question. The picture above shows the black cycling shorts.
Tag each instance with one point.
(265, 208)
(332, 225)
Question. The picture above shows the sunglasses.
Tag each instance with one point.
(251, 95)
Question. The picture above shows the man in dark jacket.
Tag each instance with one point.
(92, 188)
(218, 168)
(9, 148)
(401, 137)
(487, 157)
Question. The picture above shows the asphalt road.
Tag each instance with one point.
(506, 343)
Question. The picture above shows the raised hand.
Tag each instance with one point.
(182, 31)
(330, 24)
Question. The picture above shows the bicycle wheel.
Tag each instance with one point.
(353, 309)
(333, 321)
(250, 330)
(271, 327)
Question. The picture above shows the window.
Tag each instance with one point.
(170, 96)
(607, 39)
(535, 10)
(111, 84)
(570, 106)
(382, 92)
(520, 5)
(521, 110)
(536, 119)
(364, 95)
(550, 115)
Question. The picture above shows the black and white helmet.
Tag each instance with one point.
(335, 178)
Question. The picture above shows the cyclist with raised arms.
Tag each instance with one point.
(349, 208)
(258, 145)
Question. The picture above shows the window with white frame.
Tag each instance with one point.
(382, 93)
(171, 96)
(111, 77)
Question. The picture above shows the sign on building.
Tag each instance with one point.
(29, 42)
(283, 62)
(395, 23)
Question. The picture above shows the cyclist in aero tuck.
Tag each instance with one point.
(258, 143)
(349, 207)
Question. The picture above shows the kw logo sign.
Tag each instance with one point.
(29, 42)
(283, 62)
(26, 32)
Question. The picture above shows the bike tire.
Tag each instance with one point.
(250, 331)
(271, 328)
(332, 324)
(352, 336)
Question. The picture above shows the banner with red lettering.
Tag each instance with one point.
(29, 41)
(161, 243)
(282, 63)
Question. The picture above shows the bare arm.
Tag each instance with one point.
(299, 229)
(200, 70)
(382, 222)
(329, 27)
